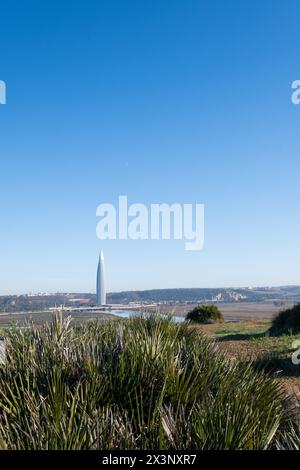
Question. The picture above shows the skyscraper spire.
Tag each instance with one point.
(101, 288)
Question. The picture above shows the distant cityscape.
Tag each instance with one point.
(44, 300)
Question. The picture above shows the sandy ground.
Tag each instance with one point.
(235, 311)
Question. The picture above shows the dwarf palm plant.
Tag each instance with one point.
(143, 383)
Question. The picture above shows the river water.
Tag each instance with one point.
(133, 313)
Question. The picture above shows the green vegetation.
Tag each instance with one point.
(205, 314)
(243, 328)
(287, 321)
(143, 383)
(250, 341)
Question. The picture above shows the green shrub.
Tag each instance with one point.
(142, 383)
(286, 321)
(205, 314)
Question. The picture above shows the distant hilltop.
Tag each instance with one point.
(42, 301)
(198, 295)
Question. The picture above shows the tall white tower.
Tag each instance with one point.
(101, 289)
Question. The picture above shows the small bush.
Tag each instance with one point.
(286, 321)
(205, 314)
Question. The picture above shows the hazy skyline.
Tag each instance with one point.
(170, 101)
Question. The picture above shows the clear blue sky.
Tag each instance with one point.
(163, 101)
